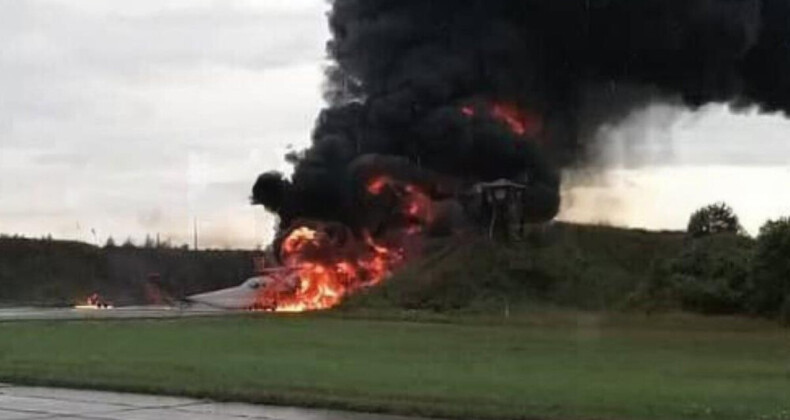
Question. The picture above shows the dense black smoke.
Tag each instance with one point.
(403, 70)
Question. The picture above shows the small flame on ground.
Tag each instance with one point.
(94, 301)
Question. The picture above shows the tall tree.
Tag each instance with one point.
(713, 219)
(771, 270)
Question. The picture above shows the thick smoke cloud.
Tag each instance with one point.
(403, 71)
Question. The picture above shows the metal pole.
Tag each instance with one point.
(195, 234)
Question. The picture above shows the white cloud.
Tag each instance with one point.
(137, 117)
(665, 197)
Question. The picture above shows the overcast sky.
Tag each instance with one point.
(140, 117)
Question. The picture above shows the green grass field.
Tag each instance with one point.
(565, 366)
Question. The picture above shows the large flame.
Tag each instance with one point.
(322, 283)
(321, 271)
(322, 274)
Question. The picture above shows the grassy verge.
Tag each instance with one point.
(568, 366)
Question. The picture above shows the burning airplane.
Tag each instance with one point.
(429, 99)
(270, 290)
(280, 284)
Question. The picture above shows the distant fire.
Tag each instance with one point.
(324, 272)
(520, 122)
(94, 301)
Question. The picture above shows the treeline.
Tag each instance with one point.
(714, 268)
(722, 270)
(51, 272)
(589, 267)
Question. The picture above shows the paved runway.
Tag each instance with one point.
(33, 313)
(26, 403)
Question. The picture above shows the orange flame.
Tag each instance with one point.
(94, 301)
(298, 239)
(319, 287)
(321, 276)
(376, 186)
(322, 285)
(416, 204)
(520, 122)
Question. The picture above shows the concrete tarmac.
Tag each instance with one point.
(29, 403)
(131, 312)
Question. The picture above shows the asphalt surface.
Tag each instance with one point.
(27, 403)
(33, 313)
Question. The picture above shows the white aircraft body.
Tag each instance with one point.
(248, 295)
(261, 292)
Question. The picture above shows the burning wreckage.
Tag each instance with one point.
(441, 111)
(455, 113)
(446, 114)
(385, 203)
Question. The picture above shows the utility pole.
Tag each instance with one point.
(195, 234)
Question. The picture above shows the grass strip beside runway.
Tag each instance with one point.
(580, 366)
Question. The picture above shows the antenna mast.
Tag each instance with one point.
(194, 234)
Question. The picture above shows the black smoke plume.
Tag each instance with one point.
(413, 82)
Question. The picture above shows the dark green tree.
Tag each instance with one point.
(771, 268)
(713, 219)
(711, 275)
